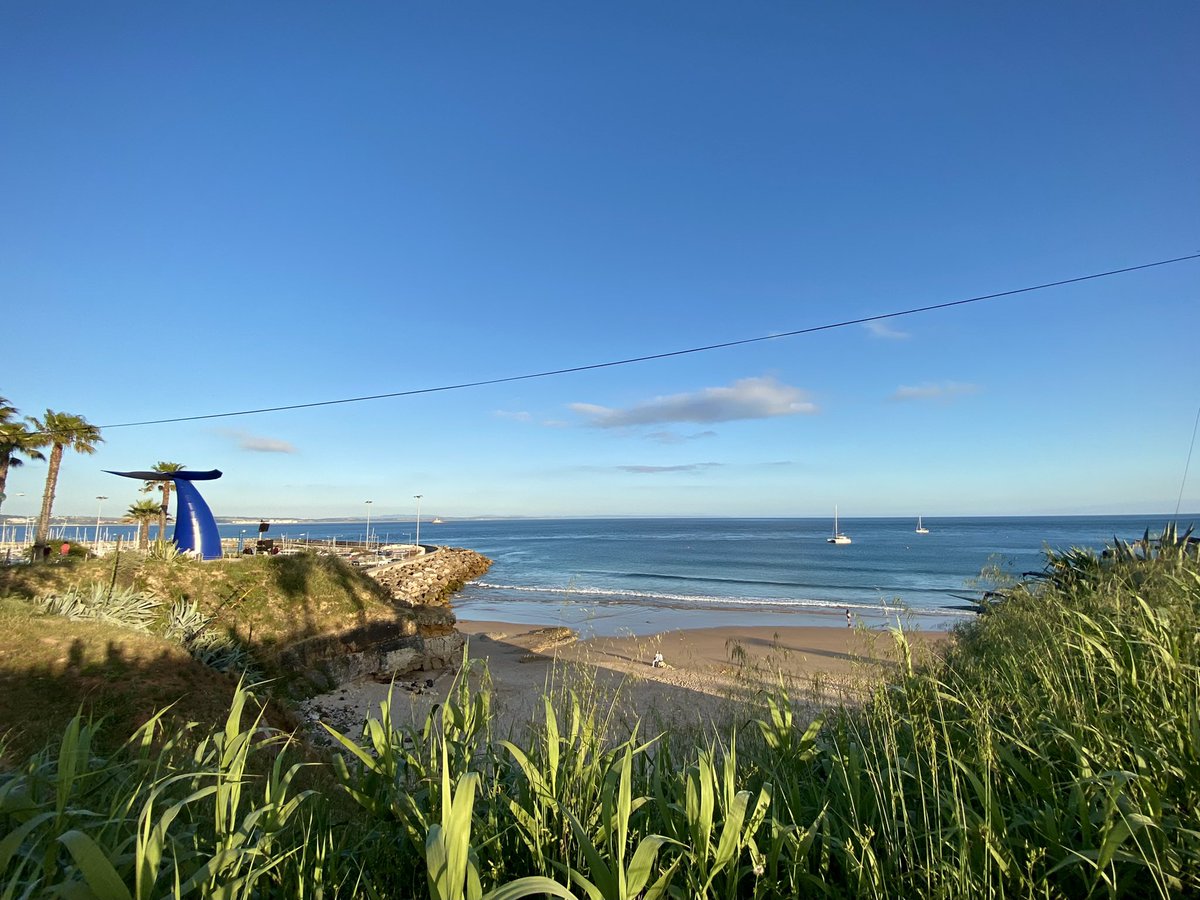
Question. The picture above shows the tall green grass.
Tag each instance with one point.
(1054, 752)
(166, 817)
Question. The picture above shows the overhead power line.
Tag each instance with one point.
(1187, 465)
(653, 356)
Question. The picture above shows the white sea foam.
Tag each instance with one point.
(651, 598)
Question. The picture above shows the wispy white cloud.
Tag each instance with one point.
(519, 416)
(257, 443)
(749, 398)
(945, 390)
(674, 437)
(655, 470)
(881, 329)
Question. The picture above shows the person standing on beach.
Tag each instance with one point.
(848, 622)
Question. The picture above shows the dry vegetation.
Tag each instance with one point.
(49, 671)
(52, 667)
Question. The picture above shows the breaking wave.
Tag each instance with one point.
(700, 601)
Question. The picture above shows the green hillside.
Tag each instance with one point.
(198, 627)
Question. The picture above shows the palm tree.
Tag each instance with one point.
(150, 487)
(143, 512)
(58, 431)
(15, 438)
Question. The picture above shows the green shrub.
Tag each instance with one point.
(1055, 752)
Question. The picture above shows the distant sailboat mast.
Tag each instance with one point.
(838, 537)
(921, 529)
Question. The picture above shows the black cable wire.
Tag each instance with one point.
(654, 356)
(1187, 465)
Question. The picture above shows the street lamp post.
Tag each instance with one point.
(418, 497)
(369, 502)
(99, 506)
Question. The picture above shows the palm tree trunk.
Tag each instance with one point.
(143, 534)
(4, 463)
(42, 536)
(162, 513)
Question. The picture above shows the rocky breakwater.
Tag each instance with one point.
(422, 638)
(424, 584)
(432, 578)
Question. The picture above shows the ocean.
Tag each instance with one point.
(645, 575)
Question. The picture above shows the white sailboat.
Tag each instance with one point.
(838, 537)
(921, 529)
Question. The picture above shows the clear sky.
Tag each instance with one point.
(215, 207)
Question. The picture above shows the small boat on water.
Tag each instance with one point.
(838, 537)
(921, 529)
(436, 521)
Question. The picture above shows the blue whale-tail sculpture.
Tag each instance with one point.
(195, 527)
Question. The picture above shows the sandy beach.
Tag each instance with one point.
(707, 672)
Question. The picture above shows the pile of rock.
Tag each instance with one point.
(421, 639)
(432, 578)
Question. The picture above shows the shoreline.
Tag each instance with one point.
(626, 618)
(708, 673)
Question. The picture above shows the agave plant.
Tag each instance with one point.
(185, 621)
(187, 624)
(164, 550)
(126, 607)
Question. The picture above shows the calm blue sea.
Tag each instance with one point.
(612, 576)
(640, 576)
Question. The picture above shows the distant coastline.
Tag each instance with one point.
(8, 518)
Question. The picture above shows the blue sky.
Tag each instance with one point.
(232, 206)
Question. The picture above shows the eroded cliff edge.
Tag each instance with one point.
(422, 636)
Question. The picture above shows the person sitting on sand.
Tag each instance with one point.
(659, 662)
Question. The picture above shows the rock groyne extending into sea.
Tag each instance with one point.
(431, 578)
